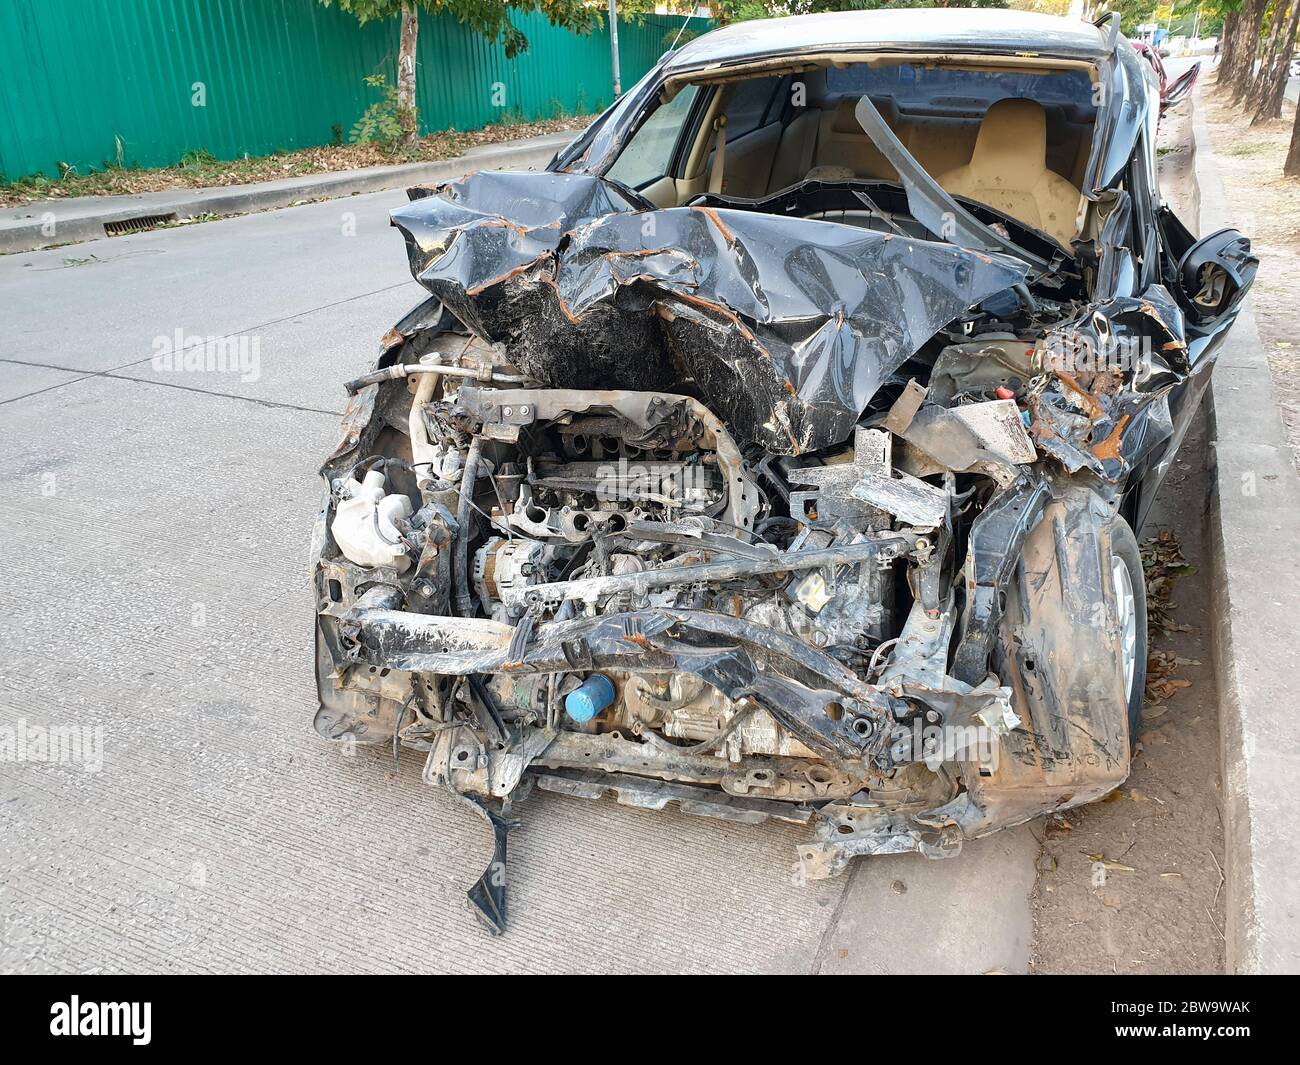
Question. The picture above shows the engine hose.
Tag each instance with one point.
(464, 515)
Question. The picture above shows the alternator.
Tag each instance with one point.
(504, 568)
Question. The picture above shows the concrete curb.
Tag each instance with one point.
(58, 222)
(1254, 518)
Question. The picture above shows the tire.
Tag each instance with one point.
(1127, 602)
(1061, 652)
(1079, 589)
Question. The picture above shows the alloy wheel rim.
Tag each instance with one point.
(1126, 615)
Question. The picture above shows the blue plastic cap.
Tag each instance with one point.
(589, 698)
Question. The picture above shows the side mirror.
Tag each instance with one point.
(1215, 274)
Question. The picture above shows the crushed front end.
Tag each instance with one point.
(758, 516)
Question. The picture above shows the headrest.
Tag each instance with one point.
(1015, 128)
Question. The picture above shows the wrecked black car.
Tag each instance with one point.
(777, 452)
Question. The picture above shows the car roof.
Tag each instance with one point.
(905, 29)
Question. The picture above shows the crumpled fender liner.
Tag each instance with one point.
(993, 550)
(1059, 652)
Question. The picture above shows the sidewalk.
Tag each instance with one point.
(69, 221)
(1254, 515)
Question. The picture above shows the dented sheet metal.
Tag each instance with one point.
(789, 326)
(1106, 406)
(765, 515)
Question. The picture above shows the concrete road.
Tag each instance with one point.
(155, 589)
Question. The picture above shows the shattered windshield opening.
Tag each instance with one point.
(1009, 136)
(929, 203)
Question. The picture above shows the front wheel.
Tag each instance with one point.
(1128, 602)
(1073, 651)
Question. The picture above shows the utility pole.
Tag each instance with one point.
(613, 46)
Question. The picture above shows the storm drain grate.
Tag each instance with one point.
(139, 224)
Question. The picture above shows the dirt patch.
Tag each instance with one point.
(1250, 163)
(200, 170)
(1134, 883)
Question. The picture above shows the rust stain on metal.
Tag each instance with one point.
(712, 215)
(551, 283)
(1109, 448)
(478, 290)
(501, 223)
(1089, 401)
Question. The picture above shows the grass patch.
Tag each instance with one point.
(198, 168)
(1247, 149)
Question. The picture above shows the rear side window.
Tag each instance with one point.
(646, 157)
(748, 105)
(921, 87)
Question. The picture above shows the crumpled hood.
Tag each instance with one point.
(789, 326)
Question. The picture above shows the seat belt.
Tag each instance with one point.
(809, 148)
(719, 154)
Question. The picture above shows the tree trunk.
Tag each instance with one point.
(1259, 85)
(1228, 41)
(1268, 101)
(1249, 28)
(1234, 46)
(1291, 168)
(409, 117)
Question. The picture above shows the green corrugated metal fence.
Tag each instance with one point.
(85, 82)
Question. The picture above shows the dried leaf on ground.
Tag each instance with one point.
(1162, 565)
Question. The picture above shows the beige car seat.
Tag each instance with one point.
(1008, 171)
(841, 140)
